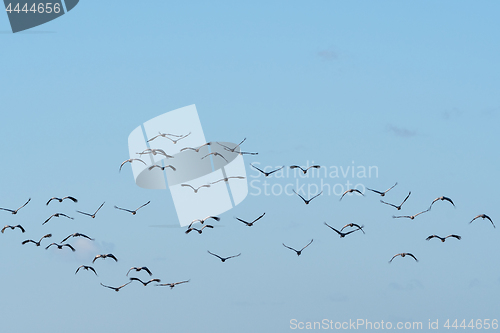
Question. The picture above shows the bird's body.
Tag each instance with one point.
(227, 179)
(342, 234)
(308, 201)
(104, 256)
(442, 198)
(36, 243)
(155, 152)
(171, 285)
(167, 136)
(164, 135)
(443, 238)
(133, 211)
(350, 191)
(483, 216)
(130, 160)
(197, 149)
(223, 259)
(61, 199)
(13, 227)
(57, 215)
(138, 269)
(353, 225)
(408, 216)
(77, 234)
(144, 283)
(195, 189)
(60, 246)
(249, 224)
(299, 252)
(404, 255)
(86, 268)
(233, 150)
(162, 167)
(266, 173)
(216, 218)
(382, 193)
(14, 212)
(215, 154)
(116, 288)
(397, 207)
(92, 215)
(304, 171)
(199, 230)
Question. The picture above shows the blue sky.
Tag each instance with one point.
(408, 87)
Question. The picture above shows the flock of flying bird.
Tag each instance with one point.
(61, 245)
(340, 232)
(175, 139)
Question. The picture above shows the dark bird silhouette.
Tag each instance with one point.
(350, 191)
(57, 215)
(216, 218)
(249, 224)
(171, 285)
(15, 211)
(304, 171)
(300, 251)
(138, 269)
(441, 198)
(104, 256)
(86, 268)
(403, 255)
(77, 234)
(308, 201)
(61, 199)
(266, 173)
(130, 160)
(36, 243)
(223, 259)
(227, 178)
(382, 193)
(144, 283)
(13, 227)
(215, 154)
(60, 246)
(133, 211)
(92, 215)
(483, 216)
(341, 234)
(409, 217)
(116, 288)
(195, 189)
(353, 225)
(199, 230)
(443, 238)
(162, 167)
(397, 207)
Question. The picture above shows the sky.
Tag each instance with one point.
(408, 90)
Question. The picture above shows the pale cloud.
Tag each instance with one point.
(451, 114)
(328, 55)
(400, 131)
(411, 285)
